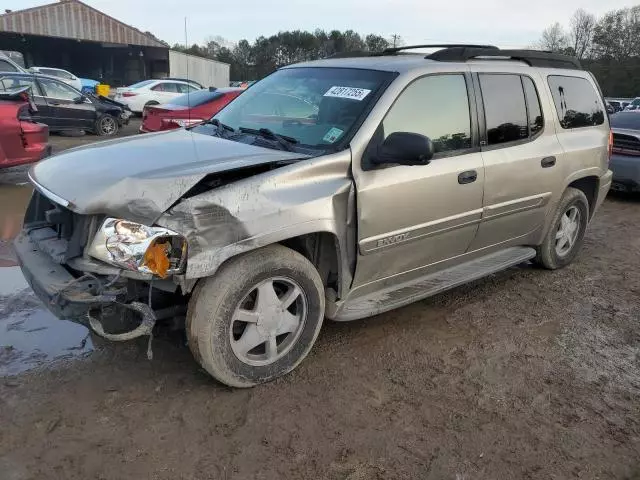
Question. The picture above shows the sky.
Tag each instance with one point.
(505, 23)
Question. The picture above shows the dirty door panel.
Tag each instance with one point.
(412, 216)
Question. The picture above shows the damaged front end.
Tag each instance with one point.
(90, 269)
(99, 255)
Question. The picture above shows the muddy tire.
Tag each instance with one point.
(566, 234)
(257, 318)
(107, 125)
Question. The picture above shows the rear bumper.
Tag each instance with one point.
(32, 154)
(605, 185)
(626, 173)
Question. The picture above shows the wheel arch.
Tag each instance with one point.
(589, 185)
(318, 243)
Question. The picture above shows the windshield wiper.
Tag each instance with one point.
(220, 127)
(284, 141)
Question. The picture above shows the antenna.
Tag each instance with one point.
(186, 46)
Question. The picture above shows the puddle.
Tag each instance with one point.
(30, 335)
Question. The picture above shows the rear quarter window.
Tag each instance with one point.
(6, 66)
(577, 102)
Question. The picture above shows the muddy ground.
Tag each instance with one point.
(527, 374)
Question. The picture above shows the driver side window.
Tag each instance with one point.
(58, 90)
(436, 106)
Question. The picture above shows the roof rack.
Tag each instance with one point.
(353, 54)
(391, 51)
(533, 58)
(395, 50)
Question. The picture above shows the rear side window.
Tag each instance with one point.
(56, 73)
(7, 67)
(436, 106)
(505, 109)
(15, 83)
(577, 102)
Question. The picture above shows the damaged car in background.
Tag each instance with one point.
(341, 188)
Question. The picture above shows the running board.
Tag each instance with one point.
(429, 285)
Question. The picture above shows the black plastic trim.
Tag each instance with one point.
(533, 58)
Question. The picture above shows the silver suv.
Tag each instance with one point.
(340, 188)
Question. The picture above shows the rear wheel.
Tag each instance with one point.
(566, 234)
(257, 318)
(106, 125)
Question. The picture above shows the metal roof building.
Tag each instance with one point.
(72, 35)
(74, 20)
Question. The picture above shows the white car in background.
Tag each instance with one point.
(67, 77)
(152, 92)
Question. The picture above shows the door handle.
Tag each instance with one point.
(55, 104)
(547, 162)
(469, 176)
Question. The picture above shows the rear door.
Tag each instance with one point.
(521, 153)
(70, 110)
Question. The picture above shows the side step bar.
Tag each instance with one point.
(432, 284)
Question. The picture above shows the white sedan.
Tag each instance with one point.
(152, 92)
(67, 77)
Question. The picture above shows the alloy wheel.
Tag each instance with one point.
(268, 321)
(568, 231)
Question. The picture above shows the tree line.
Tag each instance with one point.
(609, 46)
(266, 54)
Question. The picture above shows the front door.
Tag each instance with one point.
(69, 109)
(522, 158)
(411, 217)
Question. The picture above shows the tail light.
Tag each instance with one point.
(129, 94)
(610, 147)
(180, 122)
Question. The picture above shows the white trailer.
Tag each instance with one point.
(209, 73)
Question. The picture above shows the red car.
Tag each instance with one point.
(187, 110)
(21, 139)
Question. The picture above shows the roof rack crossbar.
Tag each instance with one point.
(533, 58)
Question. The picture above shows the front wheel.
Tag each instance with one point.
(257, 318)
(106, 125)
(566, 234)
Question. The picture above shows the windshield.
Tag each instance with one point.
(636, 102)
(142, 84)
(318, 107)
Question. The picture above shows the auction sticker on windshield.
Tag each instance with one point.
(347, 92)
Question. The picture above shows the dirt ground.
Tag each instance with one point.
(528, 374)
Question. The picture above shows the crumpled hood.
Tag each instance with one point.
(140, 177)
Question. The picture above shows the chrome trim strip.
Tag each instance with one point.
(400, 237)
(515, 206)
(49, 194)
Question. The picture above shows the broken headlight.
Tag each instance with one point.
(140, 248)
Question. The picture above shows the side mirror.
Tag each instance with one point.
(80, 99)
(405, 148)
